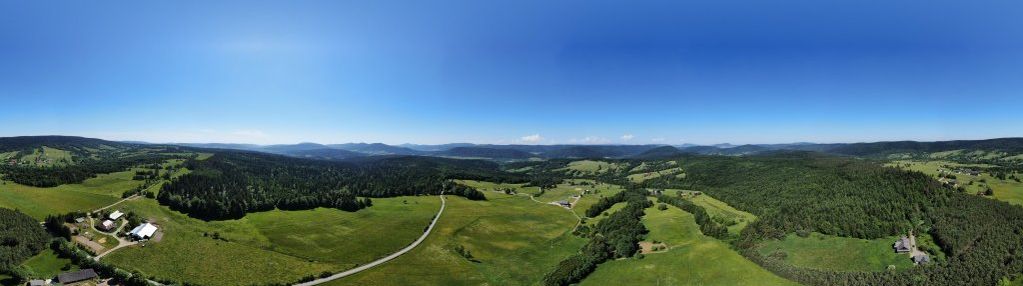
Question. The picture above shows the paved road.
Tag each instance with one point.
(385, 259)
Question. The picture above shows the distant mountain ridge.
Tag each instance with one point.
(522, 152)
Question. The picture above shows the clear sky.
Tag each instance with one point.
(541, 72)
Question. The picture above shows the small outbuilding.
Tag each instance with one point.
(115, 215)
(77, 276)
(564, 204)
(143, 231)
(37, 282)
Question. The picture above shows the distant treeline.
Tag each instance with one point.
(231, 184)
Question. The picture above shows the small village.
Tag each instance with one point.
(94, 231)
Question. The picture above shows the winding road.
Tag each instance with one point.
(385, 259)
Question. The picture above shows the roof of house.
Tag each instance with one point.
(903, 243)
(144, 230)
(81, 275)
(116, 215)
(921, 258)
(108, 223)
(37, 283)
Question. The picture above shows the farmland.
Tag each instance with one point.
(1007, 190)
(284, 245)
(827, 252)
(692, 258)
(512, 239)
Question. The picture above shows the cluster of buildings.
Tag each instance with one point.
(905, 245)
(109, 223)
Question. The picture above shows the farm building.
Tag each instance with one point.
(921, 259)
(77, 276)
(37, 283)
(143, 231)
(902, 245)
(115, 215)
(106, 225)
(564, 204)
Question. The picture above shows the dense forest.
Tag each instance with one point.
(231, 184)
(21, 237)
(797, 191)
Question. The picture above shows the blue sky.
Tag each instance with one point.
(632, 72)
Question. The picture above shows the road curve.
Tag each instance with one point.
(385, 259)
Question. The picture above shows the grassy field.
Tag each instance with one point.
(46, 156)
(89, 195)
(46, 264)
(721, 210)
(591, 167)
(514, 240)
(1005, 190)
(282, 246)
(827, 252)
(693, 259)
(640, 177)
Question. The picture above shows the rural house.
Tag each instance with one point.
(921, 259)
(564, 204)
(107, 225)
(37, 282)
(77, 276)
(902, 245)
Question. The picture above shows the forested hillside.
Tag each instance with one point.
(803, 192)
(21, 237)
(231, 184)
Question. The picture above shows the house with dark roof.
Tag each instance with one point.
(77, 276)
(902, 245)
(564, 204)
(921, 259)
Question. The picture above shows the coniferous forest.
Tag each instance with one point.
(230, 184)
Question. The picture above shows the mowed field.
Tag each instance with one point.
(692, 258)
(828, 252)
(91, 194)
(513, 240)
(274, 246)
(1005, 190)
(47, 264)
(591, 167)
(641, 177)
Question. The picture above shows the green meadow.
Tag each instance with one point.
(47, 264)
(692, 258)
(1005, 190)
(719, 209)
(641, 177)
(591, 167)
(282, 246)
(826, 252)
(513, 241)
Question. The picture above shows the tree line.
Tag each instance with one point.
(230, 184)
(616, 236)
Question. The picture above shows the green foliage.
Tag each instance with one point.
(21, 237)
